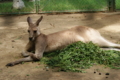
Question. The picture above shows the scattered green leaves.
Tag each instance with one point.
(0, 42)
(79, 56)
(27, 75)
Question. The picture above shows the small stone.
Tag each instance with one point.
(13, 40)
(99, 73)
(107, 74)
(94, 72)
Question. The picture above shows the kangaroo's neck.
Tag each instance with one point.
(41, 37)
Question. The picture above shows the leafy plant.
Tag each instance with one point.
(79, 56)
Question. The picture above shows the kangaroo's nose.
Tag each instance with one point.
(30, 38)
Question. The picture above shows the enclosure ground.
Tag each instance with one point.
(14, 36)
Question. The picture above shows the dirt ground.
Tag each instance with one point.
(14, 36)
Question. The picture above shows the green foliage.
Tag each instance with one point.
(56, 5)
(65, 5)
(79, 56)
(59, 5)
(117, 3)
(6, 7)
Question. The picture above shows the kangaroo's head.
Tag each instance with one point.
(33, 28)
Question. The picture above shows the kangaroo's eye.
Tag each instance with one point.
(35, 31)
(28, 30)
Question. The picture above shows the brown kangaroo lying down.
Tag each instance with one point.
(40, 43)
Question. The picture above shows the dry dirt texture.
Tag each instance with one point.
(14, 36)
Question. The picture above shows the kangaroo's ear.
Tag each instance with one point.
(39, 20)
(29, 20)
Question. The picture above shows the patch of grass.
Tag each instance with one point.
(79, 56)
(59, 5)
(0, 42)
(6, 7)
(117, 4)
(63, 5)
(38, 67)
(56, 5)
(27, 75)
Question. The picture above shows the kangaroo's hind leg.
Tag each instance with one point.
(27, 59)
(105, 44)
(111, 49)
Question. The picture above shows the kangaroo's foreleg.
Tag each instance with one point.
(39, 48)
(30, 48)
(32, 57)
(28, 51)
(26, 59)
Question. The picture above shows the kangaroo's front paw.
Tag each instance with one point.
(34, 57)
(24, 54)
(10, 64)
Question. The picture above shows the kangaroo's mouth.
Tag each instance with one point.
(31, 38)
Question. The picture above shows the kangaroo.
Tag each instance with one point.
(40, 43)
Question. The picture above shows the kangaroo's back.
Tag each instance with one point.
(61, 39)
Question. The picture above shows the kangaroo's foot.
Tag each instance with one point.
(10, 64)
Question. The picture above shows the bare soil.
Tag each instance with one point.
(14, 36)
